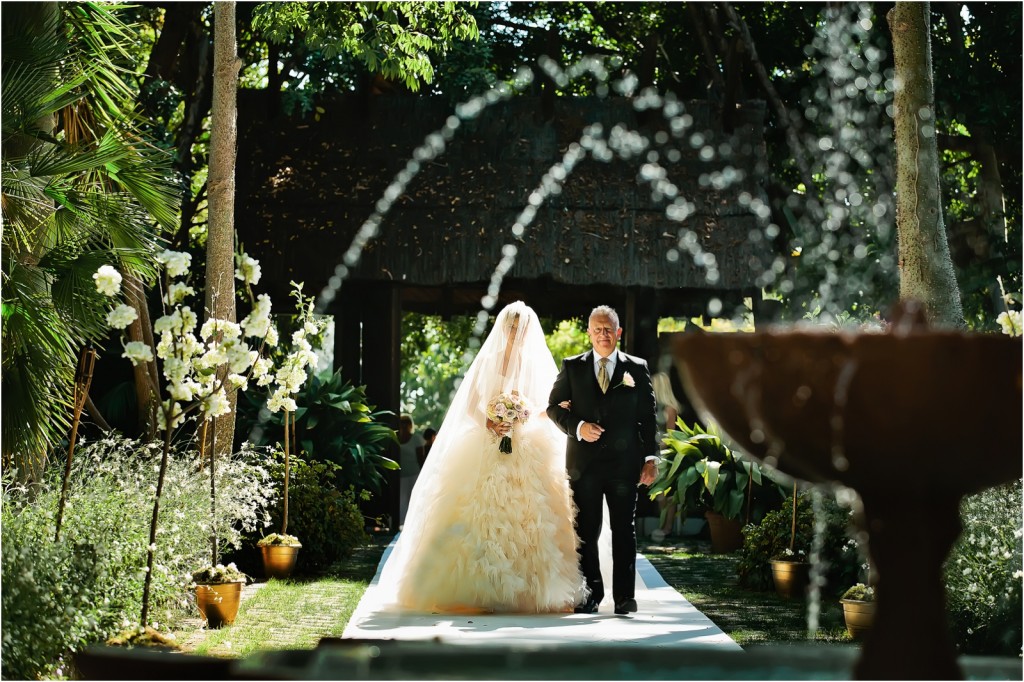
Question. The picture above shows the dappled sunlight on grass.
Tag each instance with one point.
(710, 583)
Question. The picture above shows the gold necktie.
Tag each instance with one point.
(602, 375)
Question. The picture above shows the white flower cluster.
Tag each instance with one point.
(248, 269)
(192, 364)
(292, 371)
(108, 280)
(1010, 322)
(121, 316)
(176, 263)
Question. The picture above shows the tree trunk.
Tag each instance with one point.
(220, 242)
(147, 382)
(925, 266)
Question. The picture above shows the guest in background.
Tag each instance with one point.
(410, 456)
(429, 434)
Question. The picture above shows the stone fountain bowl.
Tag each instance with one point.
(886, 412)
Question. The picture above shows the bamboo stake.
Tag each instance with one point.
(213, 492)
(284, 514)
(750, 492)
(83, 379)
(202, 444)
(792, 534)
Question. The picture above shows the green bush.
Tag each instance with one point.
(840, 556)
(326, 520)
(59, 597)
(983, 574)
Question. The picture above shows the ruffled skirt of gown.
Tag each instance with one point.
(492, 532)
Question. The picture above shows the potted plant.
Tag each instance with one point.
(279, 553)
(858, 609)
(790, 569)
(701, 472)
(791, 573)
(218, 593)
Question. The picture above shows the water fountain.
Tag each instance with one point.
(912, 419)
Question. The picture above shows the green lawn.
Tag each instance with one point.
(290, 614)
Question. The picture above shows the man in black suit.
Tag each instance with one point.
(611, 432)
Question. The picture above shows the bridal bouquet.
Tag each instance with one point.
(511, 409)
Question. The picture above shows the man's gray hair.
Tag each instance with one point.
(606, 310)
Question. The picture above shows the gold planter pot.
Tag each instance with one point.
(219, 603)
(859, 616)
(791, 578)
(279, 560)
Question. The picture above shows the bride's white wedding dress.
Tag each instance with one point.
(488, 531)
(504, 543)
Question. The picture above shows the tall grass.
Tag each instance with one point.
(60, 597)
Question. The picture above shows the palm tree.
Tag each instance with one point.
(82, 187)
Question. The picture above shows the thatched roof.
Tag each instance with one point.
(304, 188)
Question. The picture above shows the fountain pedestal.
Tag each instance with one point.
(912, 421)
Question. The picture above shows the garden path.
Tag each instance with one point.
(664, 619)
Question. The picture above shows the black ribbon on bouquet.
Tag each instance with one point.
(505, 445)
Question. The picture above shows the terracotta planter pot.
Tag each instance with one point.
(219, 603)
(791, 578)
(726, 534)
(279, 560)
(859, 616)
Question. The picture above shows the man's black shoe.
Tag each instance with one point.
(625, 606)
(589, 606)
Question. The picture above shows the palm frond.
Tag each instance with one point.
(31, 94)
(38, 368)
(70, 159)
(74, 198)
(25, 208)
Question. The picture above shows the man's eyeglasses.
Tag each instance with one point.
(602, 331)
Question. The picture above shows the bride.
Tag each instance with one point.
(489, 530)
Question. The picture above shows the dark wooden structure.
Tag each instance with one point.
(305, 187)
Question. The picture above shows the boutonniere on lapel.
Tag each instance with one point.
(627, 380)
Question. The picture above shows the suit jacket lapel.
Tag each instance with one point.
(588, 364)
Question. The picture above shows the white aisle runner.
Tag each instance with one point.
(664, 619)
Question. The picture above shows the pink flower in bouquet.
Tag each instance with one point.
(509, 408)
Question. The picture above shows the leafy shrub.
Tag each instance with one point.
(333, 423)
(860, 592)
(701, 472)
(842, 561)
(983, 574)
(60, 597)
(326, 520)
